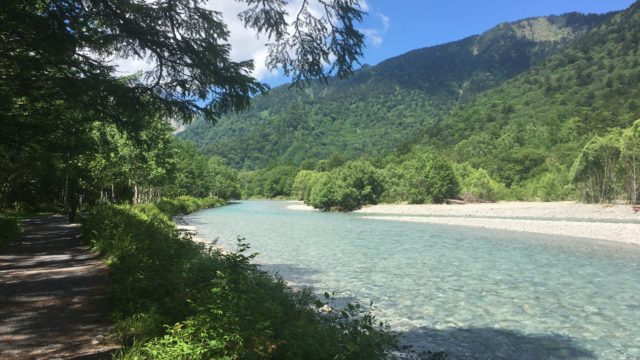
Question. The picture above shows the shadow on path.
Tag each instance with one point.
(53, 300)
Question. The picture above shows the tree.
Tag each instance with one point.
(630, 156)
(595, 167)
(477, 183)
(301, 183)
(57, 77)
(346, 188)
(222, 181)
(68, 45)
(427, 178)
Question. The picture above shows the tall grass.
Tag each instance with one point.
(174, 300)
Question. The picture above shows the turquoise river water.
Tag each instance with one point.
(474, 293)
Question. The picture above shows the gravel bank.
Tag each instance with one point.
(604, 222)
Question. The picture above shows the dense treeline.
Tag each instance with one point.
(339, 185)
(606, 169)
(116, 167)
(608, 166)
(528, 132)
(220, 305)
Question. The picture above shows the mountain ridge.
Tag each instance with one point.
(390, 102)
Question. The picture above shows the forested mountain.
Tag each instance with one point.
(385, 106)
(538, 122)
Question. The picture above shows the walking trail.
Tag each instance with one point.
(53, 295)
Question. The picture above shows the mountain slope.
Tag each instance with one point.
(383, 106)
(542, 118)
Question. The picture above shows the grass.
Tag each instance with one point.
(175, 300)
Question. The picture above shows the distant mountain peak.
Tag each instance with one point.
(543, 29)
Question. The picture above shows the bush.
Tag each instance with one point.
(551, 186)
(152, 268)
(218, 305)
(347, 188)
(9, 229)
(478, 184)
(427, 178)
(595, 168)
(301, 183)
(187, 204)
(393, 190)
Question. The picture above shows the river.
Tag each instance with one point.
(473, 293)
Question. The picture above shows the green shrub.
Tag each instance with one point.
(151, 266)
(214, 304)
(551, 186)
(428, 178)
(251, 315)
(187, 204)
(301, 183)
(392, 180)
(330, 193)
(9, 229)
(347, 188)
(477, 183)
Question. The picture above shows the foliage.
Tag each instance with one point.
(517, 102)
(553, 185)
(199, 176)
(346, 188)
(272, 182)
(214, 304)
(595, 168)
(550, 112)
(68, 117)
(391, 102)
(630, 158)
(187, 204)
(302, 184)
(476, 183)
(607, 167)
(9, 229)
(428, 178)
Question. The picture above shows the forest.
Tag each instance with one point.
(555, 124)
(548, 113)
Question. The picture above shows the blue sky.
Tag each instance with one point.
(394, 27)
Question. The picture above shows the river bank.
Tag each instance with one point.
(603, 222)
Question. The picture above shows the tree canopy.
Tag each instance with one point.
(63, 105)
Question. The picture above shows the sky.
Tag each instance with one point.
(393, 27)
(412, 24)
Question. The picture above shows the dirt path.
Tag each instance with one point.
(53, 302)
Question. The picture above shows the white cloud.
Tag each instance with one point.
(385, 21)
(364, 5)
(245, 45)
(375, 36)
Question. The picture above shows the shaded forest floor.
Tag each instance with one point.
(53, 295)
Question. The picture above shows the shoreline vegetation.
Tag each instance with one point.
(175, 298)
(619, 223)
